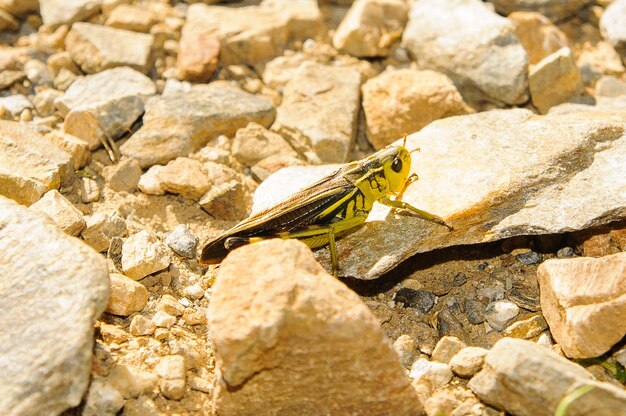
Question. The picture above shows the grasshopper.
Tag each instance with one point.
(329, 208)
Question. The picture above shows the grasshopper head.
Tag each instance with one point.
(396, 161)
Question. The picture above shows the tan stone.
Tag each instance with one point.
(227, 201)
(170, 305)
(55, 13)
(247, 35)
(446, 348)
(554, 80)
(30, 165)
(96, 48)
(185, 177)
(20, 7)
(179, 123)
(199, 50)
(584, 302)
(113, 334)
(104, 105)
(254, 143)
(78, 149)
(131, 382)
(131, 17)
(471, 44)
(144, 254)
(304, 19)
(171, 370)
(127, 296)
(526, 329)
(321, 103)
(54, 288)
(554, 10)
(468, 361)
(102, 228)
(404, 101)
(62, 212)
(526, 379)
(140, 325)
(370, 27)
(278, 336)
(124, 176)
(539, 36)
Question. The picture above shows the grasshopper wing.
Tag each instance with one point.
(312, 205)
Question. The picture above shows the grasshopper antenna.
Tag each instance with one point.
(404, 142)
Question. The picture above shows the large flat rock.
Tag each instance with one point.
(493, 175)
(53, 287)
(179, 123)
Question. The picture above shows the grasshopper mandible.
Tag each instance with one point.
(328, 208)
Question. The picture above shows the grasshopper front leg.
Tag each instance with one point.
(423, 214)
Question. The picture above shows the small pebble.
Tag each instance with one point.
(530, 257)
(482, 266)
(565, 252)
(421, 300)
(437, 374)
(475, 312)
(182, 241)
(405, 347)
(498, 314)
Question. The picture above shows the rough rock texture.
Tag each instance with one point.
(53, 288)
(55, 13)
(199, 48)
(405, 100)
(478, 49)
(540, 171)
(96, 48)
(539, 36)
(320, 106)
(179, 123)
(554, 80)
(249, 35)
(304, 20)
(111, 100)
(19, 7)
(183, 176)
(143, 254)
(370, 27)
(127, 296)
(468, 361)
(278, 337)
(613, 25)
(555, 10)
(102, 228)
(124, 176)
(526, 379)
(254, 143)
(132, 17)
(77, 148)
(61, 211)
(30, 165)
(584, 302)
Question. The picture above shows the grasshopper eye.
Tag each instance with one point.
(396, 165)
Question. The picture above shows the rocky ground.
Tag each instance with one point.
(134, 131)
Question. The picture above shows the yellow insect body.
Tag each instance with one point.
(330, 207)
